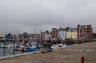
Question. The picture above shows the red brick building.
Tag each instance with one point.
(84, 32)
(54, 33)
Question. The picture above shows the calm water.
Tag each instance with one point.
(7, 51)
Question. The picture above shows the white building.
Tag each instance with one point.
(62, 35)
(2, 35)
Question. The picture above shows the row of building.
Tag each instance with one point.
(81, 32)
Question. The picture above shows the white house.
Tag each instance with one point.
(62, 34)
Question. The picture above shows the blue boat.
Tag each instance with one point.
(31, 50)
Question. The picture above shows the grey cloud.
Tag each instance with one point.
(29, 15)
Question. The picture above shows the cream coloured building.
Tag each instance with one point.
(71, 34)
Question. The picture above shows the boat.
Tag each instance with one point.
(31, 47)
(26, 48)
(57, 46)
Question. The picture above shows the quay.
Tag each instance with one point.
(71, 54)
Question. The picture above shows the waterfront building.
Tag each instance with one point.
(71, 34)
(17, 37)
(84, 32)
(2, 36)
(30, 36)
(54, 33)
(47, 35)
(62, 33)
(9, 37)
(34, 37)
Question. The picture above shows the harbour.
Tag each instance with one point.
(14, 50)
(18, 49)
(71, 54)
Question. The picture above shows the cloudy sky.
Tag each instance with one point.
(34, 15)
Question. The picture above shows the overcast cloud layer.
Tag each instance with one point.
(34, 15)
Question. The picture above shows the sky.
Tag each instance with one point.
(37, 15)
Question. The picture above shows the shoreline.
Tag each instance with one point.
(22, 54)
(71, 54)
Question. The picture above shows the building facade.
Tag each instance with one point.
(54, 33)
(47, 35)
(2, 36)
(71, 34)
(84, 32)
(62, 33)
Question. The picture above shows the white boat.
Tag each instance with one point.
(57, 46)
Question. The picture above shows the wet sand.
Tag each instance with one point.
(63, 55)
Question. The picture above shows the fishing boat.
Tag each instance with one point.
(19, 48)
(26, 48)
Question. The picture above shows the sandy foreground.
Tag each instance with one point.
(64, 55)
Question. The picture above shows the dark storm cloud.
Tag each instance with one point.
(30, 15)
